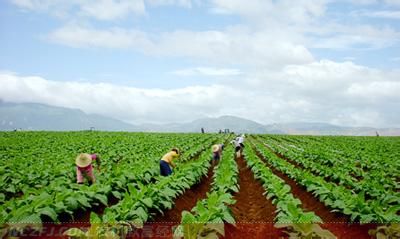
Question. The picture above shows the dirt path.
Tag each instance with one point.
(162, 225)
(338, 223)
(187, 200)
(254, 214)
(81, 218)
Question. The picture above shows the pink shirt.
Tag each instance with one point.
(89, 167)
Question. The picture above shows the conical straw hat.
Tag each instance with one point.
(83, 160)
(215, 148)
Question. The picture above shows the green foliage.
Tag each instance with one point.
(289, 208)
(306, 231)
(386, 232)
(206, 219)
(41, 165)
(342, 192)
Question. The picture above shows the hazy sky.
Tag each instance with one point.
(178, 60)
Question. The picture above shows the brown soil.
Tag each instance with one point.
(338, 223)
(254, 214)
(163, 225)
(81, 219)
(187, 200)
(299, 165)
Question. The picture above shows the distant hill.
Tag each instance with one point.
(299, 128)
(232, 123)
(33, 116)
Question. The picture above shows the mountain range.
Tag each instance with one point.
(34, 116)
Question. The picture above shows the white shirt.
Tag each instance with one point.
(236, 143)
(240, 140)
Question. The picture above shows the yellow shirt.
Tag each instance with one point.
(168, 157)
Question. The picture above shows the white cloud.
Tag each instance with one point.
(272, 12)
(392, 2)
(356, 36)
(207, 71)
(325, 91)
(181, 3)
(275, 28)
(110, 9)
(280, 80)
(307, 23)
(231, 45)
(387, 14)
(36, 4)
(127, 103)
(77, 36)
(344, 82)
(377, 14)
(330, 92)
(376, 90)
(361, 2)
(98, 9)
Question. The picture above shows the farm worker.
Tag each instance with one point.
(217, 152)
(240, 140)
(84, 166)
(238, 146)
(166, 162)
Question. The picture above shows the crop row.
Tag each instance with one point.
(370, 160)
(333, 195)
(62, 197)
(142, 202)
(209, 214)
(33, 160)
(288, 207)
(339, 173)
(290, 214)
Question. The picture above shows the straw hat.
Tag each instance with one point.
(83, 160)
(176, 150)
(215, 148)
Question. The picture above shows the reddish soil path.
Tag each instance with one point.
(254, 214)
(81, 218)
(187, 200)
(338, 223)
(163, 224)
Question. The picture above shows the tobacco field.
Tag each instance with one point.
(280, 187)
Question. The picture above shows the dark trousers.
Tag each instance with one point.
(165, 169)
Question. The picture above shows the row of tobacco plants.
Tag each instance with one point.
(129, 161)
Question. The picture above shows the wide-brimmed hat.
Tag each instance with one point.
(215, 148)
(83, 160)
(176, 151)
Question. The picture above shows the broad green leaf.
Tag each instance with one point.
(48, 211)
(116, 194)
(75, 233)
(178, 232)
(138, 223)
(228, 217)
(72, 203)
(188, 217)
(148, 202)
(94, 218)
(102, 198)
(110, 235)
(217, 227)
(83, 201)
